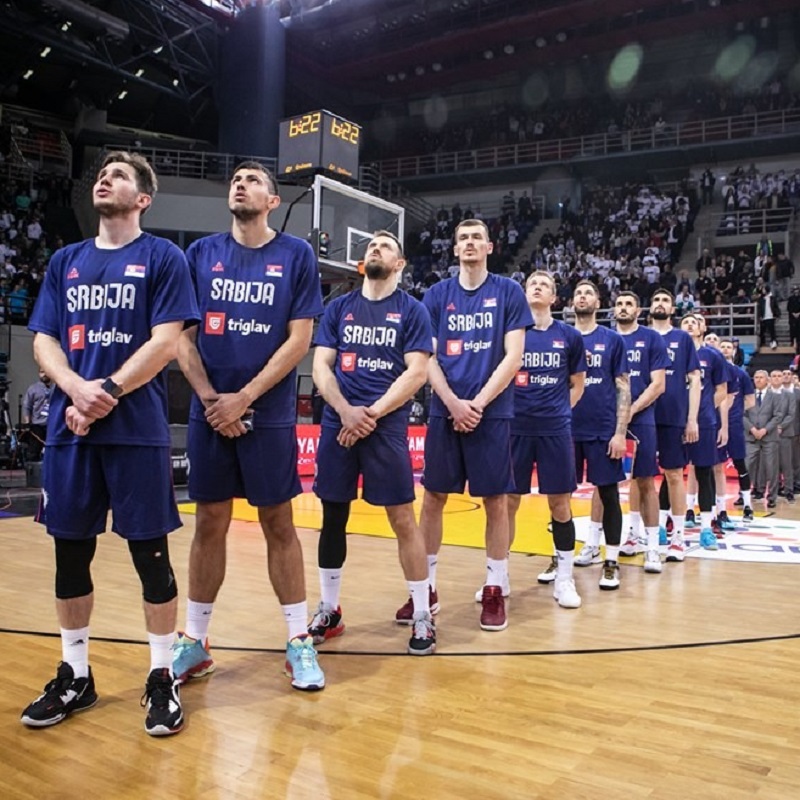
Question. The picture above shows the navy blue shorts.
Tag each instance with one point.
(735, 448)
(703, 452)
(645, 464)
(381, 458)
(482, 458)
(672, 452)
(261, 465)
(592, 460)
(82, 482)
(554, 458)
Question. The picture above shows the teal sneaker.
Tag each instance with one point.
(663, 537)
(690, 522)
(707, 540)
(301, 664)
(191, 658)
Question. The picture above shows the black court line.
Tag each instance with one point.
(575, 652)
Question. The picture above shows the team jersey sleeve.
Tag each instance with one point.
(659, 357)
(174, 298)
(327, 331)
(518, 313)
(692, 361)
(46, 313)
(577, 353)
(307, 302)
(619, 358)
(429, 301)
(418, 333)
(747, 384)
(719, 374)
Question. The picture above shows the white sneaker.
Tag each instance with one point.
(773, 344)
(548, 575)
(506, 590)
(609, 577)
(587, 556)
(566, 594)
(631, 546)
(676, 550)
(652, 561)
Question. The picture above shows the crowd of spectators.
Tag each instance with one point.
(603, 113)
(25, 243)
(754, 201)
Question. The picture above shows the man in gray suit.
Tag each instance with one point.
(785, 435)
(789, 460)
(761, 436)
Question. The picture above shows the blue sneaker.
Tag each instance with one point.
(663, 538)
(707, 540)
(301, 664)
(725, 522)
(191, 658)
(691, 522)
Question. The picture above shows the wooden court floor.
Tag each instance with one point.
(683, 685)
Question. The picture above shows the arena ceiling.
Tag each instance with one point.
(153, 63)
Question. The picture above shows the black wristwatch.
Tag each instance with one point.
(114, 389)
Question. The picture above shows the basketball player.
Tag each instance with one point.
(479, 322)
(599, 422)
(106, 324)
(258, 292)
(741, 385)
(712, 434)
(647, 362)
(676, 420)
(547, 387)
(372, 352)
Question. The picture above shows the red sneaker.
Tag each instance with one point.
(493, 612)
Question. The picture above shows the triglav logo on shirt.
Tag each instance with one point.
(215, 323)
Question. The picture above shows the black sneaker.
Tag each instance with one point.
(63, 695)
(771, 502)
(739, 501)
(789, 497)
(757, 495)
(423, 637)
(747, 514)
(163, 702)
(326, 623)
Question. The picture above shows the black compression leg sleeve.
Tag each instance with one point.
(612, 513)
(663, 495)
(151, 559)
(706, 487)
(564, 535)
(744, 475)
(73, 567)
(332, 547)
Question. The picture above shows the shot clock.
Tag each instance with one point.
(318, 142)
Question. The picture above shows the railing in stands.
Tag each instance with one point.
(746, 126)
(752, 220)
(373, 182)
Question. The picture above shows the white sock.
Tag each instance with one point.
(705, 520)
(663, 513)
(296, 616)
(595, 528)
(564, 559)
(714, 511)
(330, 586)
(747, 498)
(636, 524)
(420, 597)
(612, 552)
(652, 537)
(496, 571)
(198, 618)
(75, 650)
(720, 504)
(432, 563)
(161, 650)
(677, 530)
(691, 501)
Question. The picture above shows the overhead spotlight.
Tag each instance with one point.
(419, 70)
(713, 3)
(401, 76)
(45, 52)
(488, 55)
(158, 49)
(436, 66)
(561, 37)
(540, 41)
(27, 75)
(139, 72)
(509, 49)
(66, 26)
(391, 77)
(764, 22)
(175, 82)
(122, 95)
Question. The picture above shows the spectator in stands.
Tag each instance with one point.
(18, 302)
(793, 310)
(705, 261)
(785, 272)
(768, 312)
(684, 302)
(707, 182)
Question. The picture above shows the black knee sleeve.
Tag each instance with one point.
(73, 567)
(744, 475)
(663, 495)
(706, 487)
(151, 559)
(612, 513)
(332, 547)
(564, 535)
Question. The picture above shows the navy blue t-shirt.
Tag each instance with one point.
(647, 352)
(713, 369)
(672, 407)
